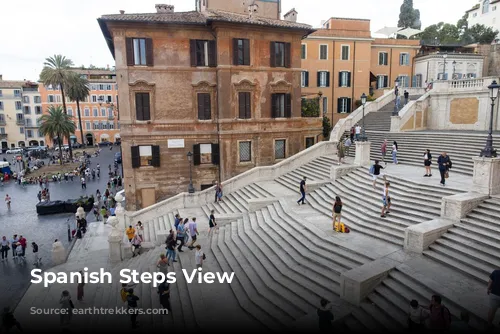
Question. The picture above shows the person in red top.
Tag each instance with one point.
(440, 317)
(22, 243)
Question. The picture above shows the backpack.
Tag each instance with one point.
(341, 228)
(372, 169)
(204, 256)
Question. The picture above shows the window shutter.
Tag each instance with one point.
(192, 50)
(414, 81)
(201, 106)
(241, 105)
(215, 154)
(288, 55)
(306, 79)
(207, 106)
(212, 54)
(319, 79)
(380, 58)
(235, 51)
(288, 105)
(129, 46)
(348, 79)
(139, 114)
(248, 105)
(246, 52)
(327, 79)
(146, 113)
(149, 52)
(340, 79)
(348, 100)
(339, 105)
(136, 158)
(155, 150)
(386, 81)
(273, 54)
(274, 105)
(196, 155)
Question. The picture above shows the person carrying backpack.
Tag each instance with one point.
(439, 317)
(375, 172)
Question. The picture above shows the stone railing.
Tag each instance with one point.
(462, 85)
(412, 116)
(265, 173)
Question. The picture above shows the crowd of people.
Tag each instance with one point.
(18, 245)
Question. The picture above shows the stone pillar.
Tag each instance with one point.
(395, 123)
(486, 179)
(115, 238)
(120, 212)
(362, 153)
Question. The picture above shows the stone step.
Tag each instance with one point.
(485, 234)
(488, 212)
(394, 304)
(482, 223)
(381, 305)
(354, 325)
(371, 325)
(384, 320)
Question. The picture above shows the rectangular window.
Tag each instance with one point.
(104, 125)
(418, 80)
(110, 113)
(344, 105)
(38, 110)
(29, 122)
(382, 81)
(241, 49)
(323, 79)
(280, 54)
(383, 58)
(103, 112)
(323, 51)
(96, 125)
(108, 87)
(21, 130)
(281, 105)
(26, 99)
(245, 105)
(279, 149)
(94, 98)
(404, 81)
(344, 79)
(245, 148)
(29, 133)
(109, 99)
(58, 98)
(204, 106)
(40, 134)
(38, 99)
(140, 51)
(86, 112)
(142, 107)
(2, 131)
(101, 99)
(203, 53)
(19, 105)
(493, 8)
(111, 126)
(146, 155)
(1, 105)
(404, 59)
(303, 51)
(17, 93)
(51, 98)
(205, 154)
(95, 112)
(304, 79)
(345, 52)
(87, 125)
(27, 110)
(309, 141)
(325, 105)
(70, 112)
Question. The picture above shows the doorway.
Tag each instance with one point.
(90, 139)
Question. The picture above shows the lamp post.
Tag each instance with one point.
(489, 151)
(363, 133)
(454, 67)
(444, 65)
(396, 92)
(190, 159)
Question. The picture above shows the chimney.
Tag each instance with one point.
(291, 15)
(162, 8)
(122, 11)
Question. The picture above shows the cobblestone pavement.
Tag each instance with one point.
(22, 219)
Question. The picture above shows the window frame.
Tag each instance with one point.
(247, 105)
(203, 111)
(385, 85)
(287, 105)
(145, 117)
(327, 52)
(348, 103)
(304, 79)
(275, 140)
(303, 52)
(209, 53)
(306, 139)
(386, 58)
(323, 80)
(342, 52)
(284, 59)
(325, 105)
(347, 75)
(18, 105)
(245, 162)
(244, 50)
(401, 62)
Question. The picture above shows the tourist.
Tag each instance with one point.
(163, 264)
(139, 229)
(104, 213)
(347, 144)
(340, 151)
(164, 294)
(181, 234)
(358, 131)
(427, 163)
(14, 242)
(125, 290)
(130, 232)
(440, 317)
(98, 195)
(39, 196)
(398, 98)
(132, 307)
(9, 321)
(462, 324)
(444, 164)
(23, 244)
(84, 183)
(494, 295)
(79, 289)
(67, 305)
(19, 253)
(136, 245)
(386, 201)
(171, 244)
(407, 96)
(211, 222)
(177, 220)
(5, 248)
(36, 258)
(395, 152)
(218, 192)
(193, 231)
(325, 316)
(302, 189)
(383, 150)
(120, 182)
(187, 238)
(8, 199)
(199, 257)
(337, 210)
(416, 317)
(96, 211)
(351, 134)
(375, 171)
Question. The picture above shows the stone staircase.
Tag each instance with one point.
(317, 170)
(412, 204)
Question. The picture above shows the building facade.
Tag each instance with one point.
(264, 8)
(448, 66)
(224, 87)
(485, 12)
(342, 61)
(99, 112)
(20, 109)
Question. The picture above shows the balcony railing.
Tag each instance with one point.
(20, 121)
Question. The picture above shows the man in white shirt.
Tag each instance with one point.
(358, 131)
(199, 257)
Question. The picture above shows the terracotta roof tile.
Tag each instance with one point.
(16, 84)
(179, 17)
(223, 16)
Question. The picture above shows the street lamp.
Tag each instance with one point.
(396, 102)
(363, 102)
(454, 67)
(190, 159)
(444, 66)
(489, 151)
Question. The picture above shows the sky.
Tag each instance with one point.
(35, 30)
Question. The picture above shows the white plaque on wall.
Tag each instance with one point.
(176, 143)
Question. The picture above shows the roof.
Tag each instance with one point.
(203, 18)
(16, 84)
(93, 71)
(473, 8)
(347, 18)
(341, 33)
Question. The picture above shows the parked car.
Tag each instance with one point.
(15, 150)
(77, 145)
(64, 147)
(118, 157)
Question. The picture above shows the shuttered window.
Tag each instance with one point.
(142, 107)
(382, 81)
(139, 51)
(323, 79)
(145, 155)
(344, 79)
(280, 54)
(304, 79)
(203, 53)
(204, 106)
(344, 105)
(281, 105)
(383, 58)
(323, 52)
(303, 51)
(245, 105)
(206, 154)
(345, 52)
(241, 52)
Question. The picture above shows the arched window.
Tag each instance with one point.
(486, 6)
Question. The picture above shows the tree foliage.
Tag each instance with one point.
(327, 128)
(310, 107)
(408, 16)
(446, 33)
(78, 90)
(57, 123)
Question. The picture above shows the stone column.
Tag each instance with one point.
(362, 157)
(115, 238)
(120, 212)
(395, 123)
(486, 179)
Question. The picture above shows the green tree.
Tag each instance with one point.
(57, 123)
(479, 34)
(408, 16)
(78, 90)
(443, 33)
(327, 128)
(56, 73)
(310, 107)
(462, 24)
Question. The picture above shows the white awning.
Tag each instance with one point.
(408, 32)
(104, 136)
(388, 31)
(117, 135)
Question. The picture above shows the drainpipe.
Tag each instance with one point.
(353, 75)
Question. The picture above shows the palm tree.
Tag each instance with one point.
(78, 90)
(57, 124)
(56, 73)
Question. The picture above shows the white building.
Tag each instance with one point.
(485, 12)
(444, 66)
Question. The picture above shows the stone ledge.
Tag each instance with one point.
(337, 172)
(362, 156)
(259, 203)
(486, 177)
(418, 237)
(227, 218)
(315, 185)
(161, 237)
(460, 205)
(359, 282)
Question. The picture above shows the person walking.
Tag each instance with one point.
(8, 200)
(212, 225)
(358, 131)
(337, 211)
(416, 317)
(199, 257)
(136, 245)
(177, 220)
(164, 294)
(171, 244)
(39, 196)
(347, 144)
(14, 242)
(493, 292)
(9, 321)
(386, 201)
(181, 235)
(36, 258)
(352, 133)
(427, 163)
(66, 308)
(139, 228)
(439, 315)
(4, 248)
(383, 150)
(130, 232)
(375, 171)
(162, 264)
(79, 290)
(132, 307)
(444, 164)
(340, 151)
(193, 231)
(407, 96)
(218, 192)
(395, 152)
(303, 188)
(325, 316)
(84, 183)
(23, 244)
